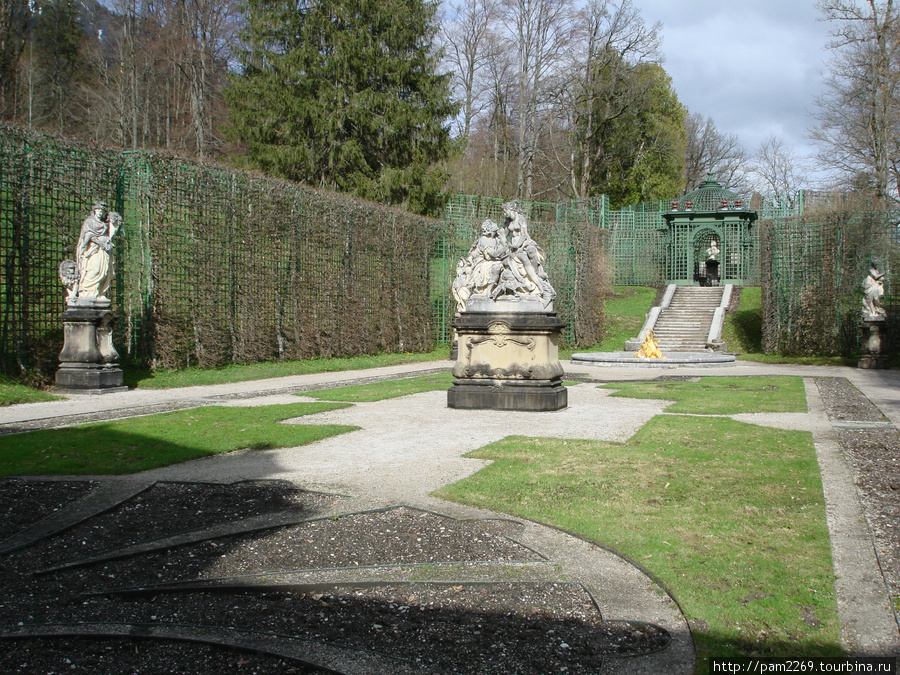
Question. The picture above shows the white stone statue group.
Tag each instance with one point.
(504, 264)
(89, 275)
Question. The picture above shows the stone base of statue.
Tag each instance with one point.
(873, 343)
(508, 357)
(88, 360)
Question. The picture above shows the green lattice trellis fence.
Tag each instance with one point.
(212, 265)
(812, 270)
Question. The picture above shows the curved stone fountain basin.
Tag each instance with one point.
(672, 360)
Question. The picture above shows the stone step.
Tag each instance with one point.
(690, 305)
(672, 332)
(684, 325)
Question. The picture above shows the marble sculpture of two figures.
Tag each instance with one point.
(504, 264)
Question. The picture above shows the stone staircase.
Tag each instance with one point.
(684, 325)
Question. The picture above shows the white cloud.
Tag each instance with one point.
(755, 68)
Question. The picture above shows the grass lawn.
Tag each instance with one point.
(12, 393)
(140, 443)
(730, 516)
(743, 329)
(167, 379)
(378, 391)
(721, 395)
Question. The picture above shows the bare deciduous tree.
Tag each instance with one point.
(778, 171)
(159, 74)
(470, 46)
(615, 42)
(14, 16)
(207, 29)
(541, 32)
(711, 151)
(859, 115)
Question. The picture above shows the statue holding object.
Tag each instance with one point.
(92, 265)
(88, 360)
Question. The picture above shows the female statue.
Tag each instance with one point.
(873, 291)
(526, 257)
(92, 253)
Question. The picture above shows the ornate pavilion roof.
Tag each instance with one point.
(709, 196)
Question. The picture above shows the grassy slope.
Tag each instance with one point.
(12, 393)
(625, 313)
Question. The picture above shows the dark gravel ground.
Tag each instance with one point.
(328, 590)
(873, 455)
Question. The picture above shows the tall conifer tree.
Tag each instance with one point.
(344, 94)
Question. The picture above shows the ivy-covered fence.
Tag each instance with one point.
(813, 268)
(214, 265)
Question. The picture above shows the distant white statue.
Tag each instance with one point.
(873, 292)
(92, 254)
(713, 251)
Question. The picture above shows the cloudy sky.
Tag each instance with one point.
(754, 66)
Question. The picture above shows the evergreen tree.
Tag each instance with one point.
(635, 137)
(344, 94)
(58, 47)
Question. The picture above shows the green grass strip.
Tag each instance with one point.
(730, 516)
(722, 395)
(166, 379)
(12, 393)
(378, 391)
(140, 443)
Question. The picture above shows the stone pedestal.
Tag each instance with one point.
(873, 343)
(508, 360)
(88, 360)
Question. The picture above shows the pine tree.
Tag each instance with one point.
(344, 94)
(58, 46)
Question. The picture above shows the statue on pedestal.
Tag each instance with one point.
(873, 338)
(507, 334)
(88, 360)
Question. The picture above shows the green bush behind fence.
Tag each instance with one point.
(813, 268)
